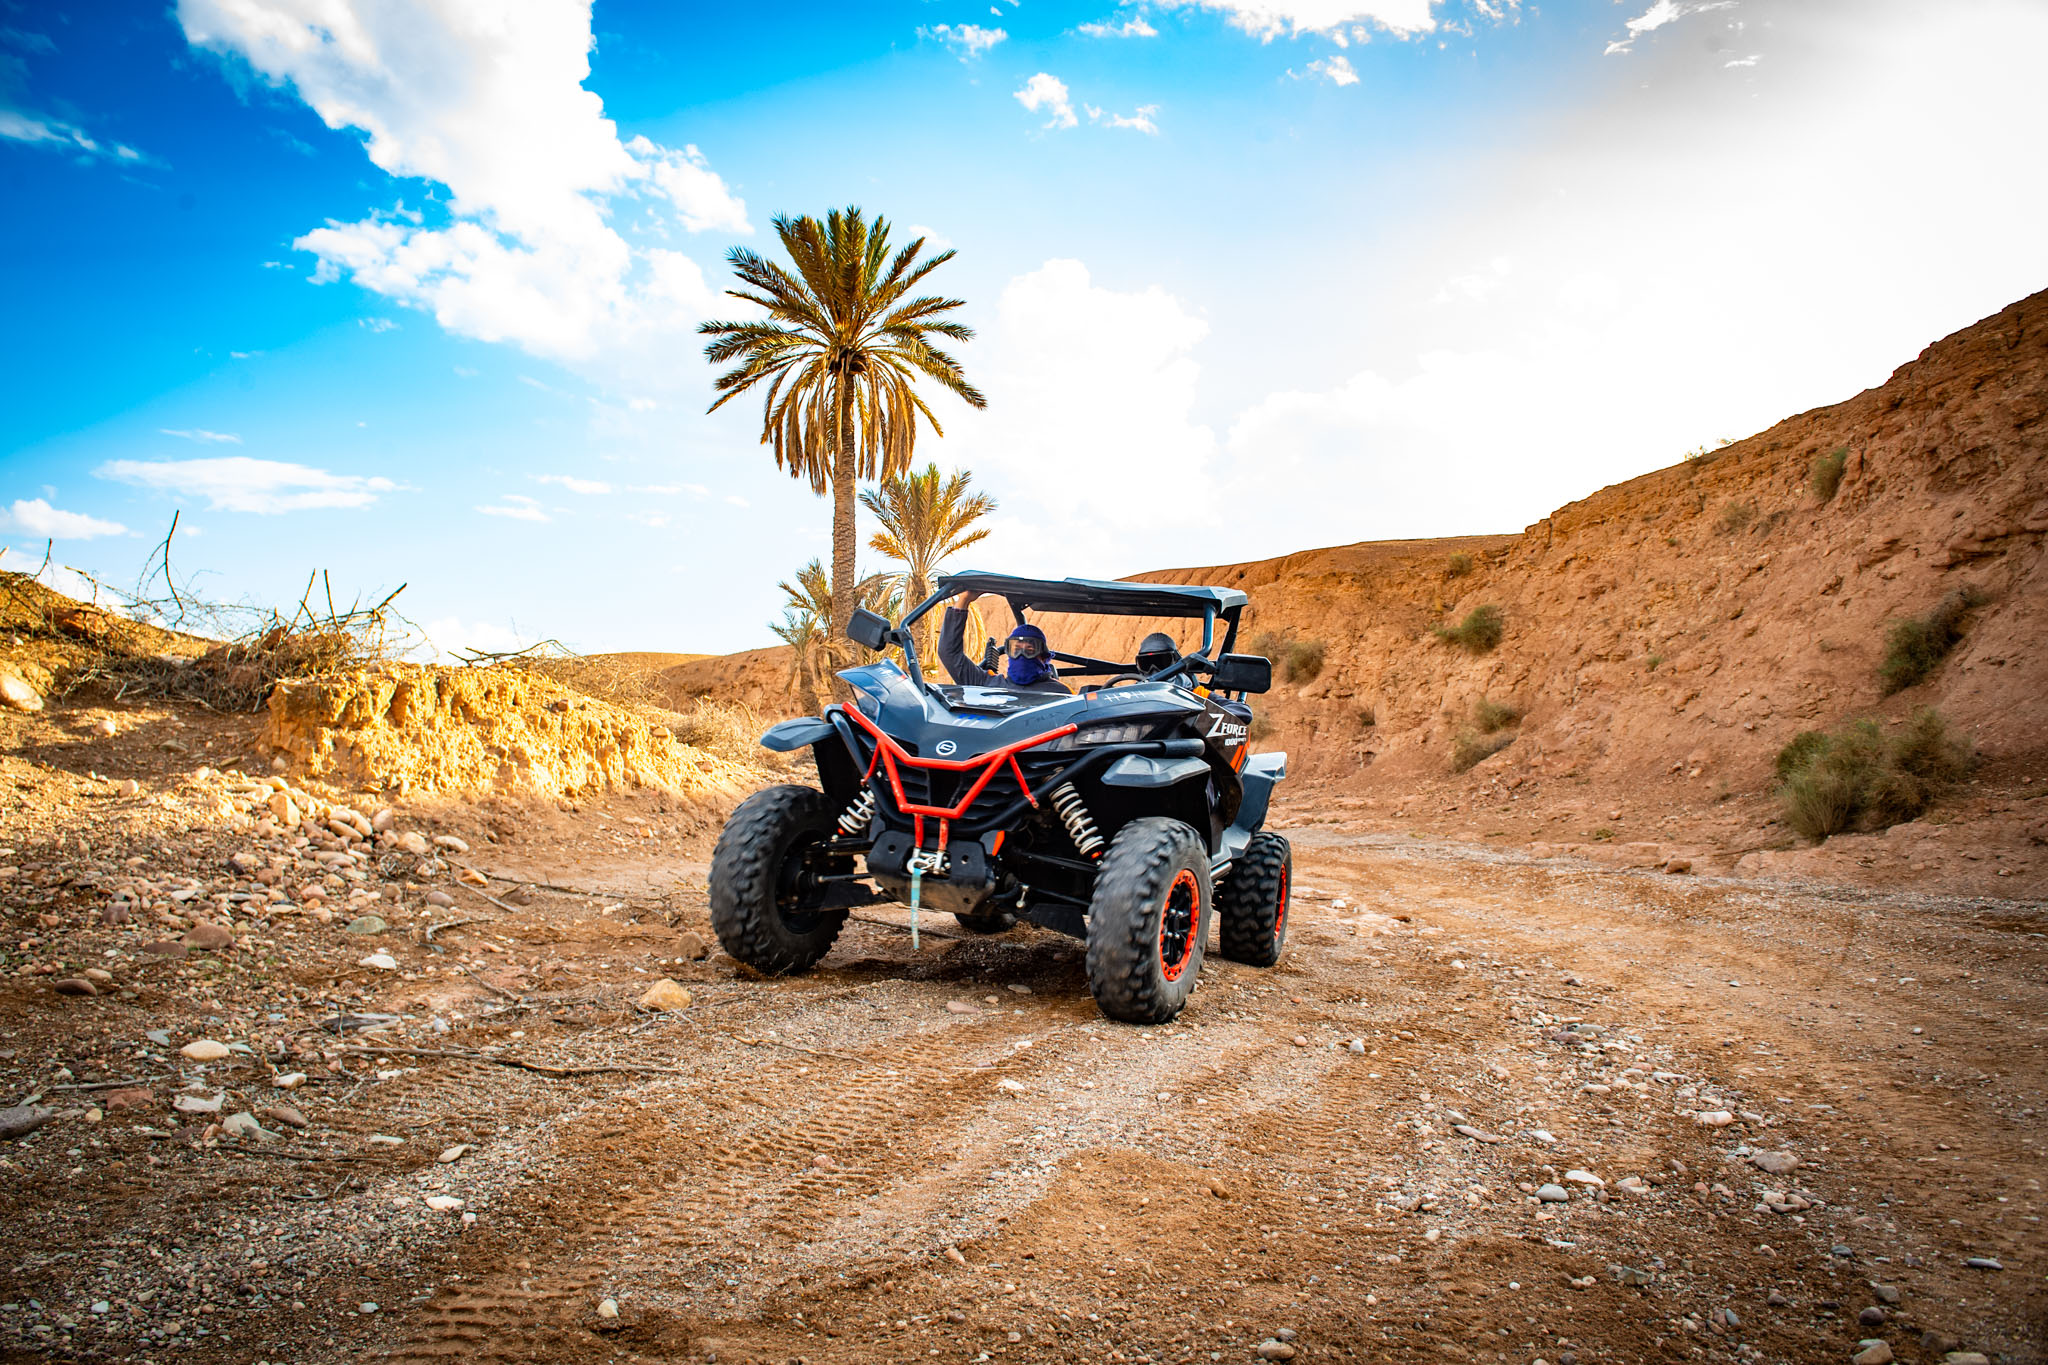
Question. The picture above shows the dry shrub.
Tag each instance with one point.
(1491, 716)
(1915, 647)
(1481, 630)
(724, 729)
(1302, 661)
(1263, 726)
(1457, 566)
(1859, 777)
(1824, 475)
(1470, 747)
(1736, 515)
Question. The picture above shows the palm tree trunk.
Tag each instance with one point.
(843, 524)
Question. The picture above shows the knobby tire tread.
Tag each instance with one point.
(1131, 887)
(745, 864)
(1248, 902)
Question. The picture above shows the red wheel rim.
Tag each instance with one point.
(1280, 910)
(1179, 919)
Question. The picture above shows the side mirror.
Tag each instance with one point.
(1242, 673)
(868, 630)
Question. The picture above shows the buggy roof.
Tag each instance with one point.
(1100, 596)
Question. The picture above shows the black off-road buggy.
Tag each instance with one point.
(1127, 815)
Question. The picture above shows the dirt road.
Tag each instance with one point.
(947, 1154)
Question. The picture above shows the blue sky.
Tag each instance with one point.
(407, 290)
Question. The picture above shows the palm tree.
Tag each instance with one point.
(815, 652)
(923, 522)
(841, 347)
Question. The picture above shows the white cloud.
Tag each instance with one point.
(1658, 15)
(737, 501)
(670, 490)
(969, 40)
(574, 484)
(495, 110)
(1049, 94)
(376, 324)
(934, 240)
(1141, 121)
(517, 507)
(1133, 27)
(1750, 60)
(1336, 70)
(1270, 19)
(238, 483)
(17, 125)
(1090, 434)
(447, 636)
(38, 518)
(205, 438)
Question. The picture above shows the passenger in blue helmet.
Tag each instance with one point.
(1028, 663)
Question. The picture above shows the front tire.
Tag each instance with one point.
(1147, 920)
(1251, 905)
(764, 894)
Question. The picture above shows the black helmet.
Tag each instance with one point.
(1155, 652)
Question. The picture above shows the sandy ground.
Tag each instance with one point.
(947, 1154)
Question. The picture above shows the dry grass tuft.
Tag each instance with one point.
(1480, 631)
(1824, 475)
(1859, 777)
(1916, 646)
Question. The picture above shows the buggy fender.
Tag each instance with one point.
(1262, 772)
(795, 734)
(1136, 770)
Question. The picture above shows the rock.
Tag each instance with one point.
(824, 1162)
(1015, 1087)
(1586, 1178)
(955, 1255)
(1777, 1299)
(451, 1155)
(961, 1007)
(283, 1114)
(245, 1125)
(1542, 1135)
(209, 938)
(163, 947)
(1467, 1130)
(1965, 1358)
(1678, 866)
(127, 786)
(1886, 1293)
(74, 985)
(1774, 1163)
(290, 1080)
(1215, 1186)
(443, 1203)
(1300, 1040)
(1356, 1047)
(1017, 988)
(1713, 1118)
(17, 694)
(1873, 1316)
(608, 1308)
(198, 1104)
(20, 1120)
(451, 843)
(1552, 1194)
(105, 728)
(665, 995)
(206, 1050)
(440, 898)
(130, 1097)
(366, 925)
(1872, 1351)
(1272, 1348)
(382, 820)
(383, 962)
(283, 809)
(1629, 1275)
(413, 842)
(1984, 1263)
(692, 947)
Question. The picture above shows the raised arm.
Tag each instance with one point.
(952, 646)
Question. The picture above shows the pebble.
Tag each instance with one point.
(75, 985)
(443, 1203)
(1476, 1134)
(451, 843)
(955, 1255)
(1542, 1135)
(209, 938)
(692, 947)
(1586, 1178)
(1016, 988)
(383, 962)
(366, 925)
(1713, 1118)
(1984, 1263)
(127, 786)
(1872, 1351)
(1774, 1163)
(132, 1097)
(414, 842)
(1965, 1358)
(245, 1124)
(1014, 1086)
(198, 1104)
(290, 1080)
(1272, 1348)
(1552, 1194)
(1300, 1040)
(961, 1007)
(451, 1155)
(608, 1308)
(366, 1308)
(665, 995)
(1886, 1293)
(440, 898)
(206, 1050)
(1356, 1047)
(284, 1114)
(386, 1140)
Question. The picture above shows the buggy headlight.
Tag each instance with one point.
(1109, 733)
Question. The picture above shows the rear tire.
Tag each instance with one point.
(763, 899)
(1251, 905)
(1147, 920)
(994, 922)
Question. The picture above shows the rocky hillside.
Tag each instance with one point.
(1685, 624)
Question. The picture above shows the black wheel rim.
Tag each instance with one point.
(1177, 921)
(797, 888)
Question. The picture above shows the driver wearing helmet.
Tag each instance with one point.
(1029, 665)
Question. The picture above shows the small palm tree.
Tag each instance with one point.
(841, 349)
(815, 652)
(924, 521)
